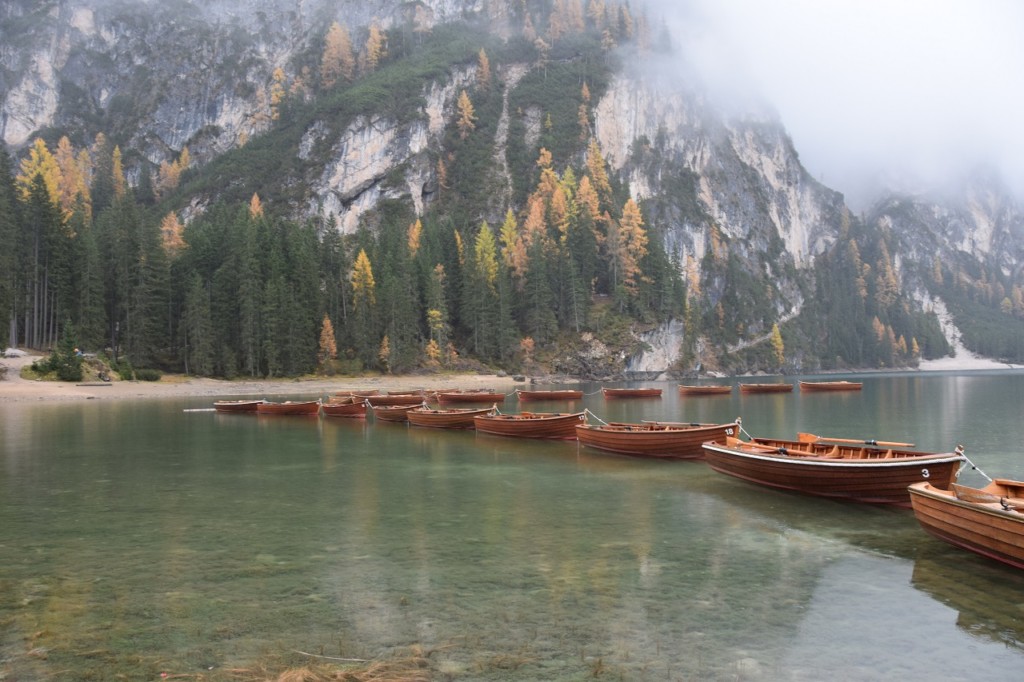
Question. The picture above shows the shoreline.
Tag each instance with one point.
(15, 389)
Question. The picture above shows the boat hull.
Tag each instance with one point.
(831, 385)
(353, 409)
(454, 418)
(631, 392)
(654, 440)
(547, 425)
(236, 405)
(395, 400)
(450, 398)
(549, 395)
(392, 413)
(704, 390)
(766, 388)
(874, 478)
(307, 408)
(983, 528)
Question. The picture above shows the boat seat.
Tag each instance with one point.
(833, 453)
(888, 454)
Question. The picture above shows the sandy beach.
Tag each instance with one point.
(16, 389)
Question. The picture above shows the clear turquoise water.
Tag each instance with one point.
(138, 538)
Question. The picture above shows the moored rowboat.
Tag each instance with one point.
(553, 425)
(236, 405)
(766, 388)
(631, 392)
(488, 396)
(406, 399)
(877, 474)
(654, 439)
(353, 407)
(988, 521)
(563, 394)
(393, 413)
(705, 389)
(450, 418)
(831, 385)
(307, 407)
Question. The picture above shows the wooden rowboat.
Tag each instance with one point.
(988, 521)
(409, 400)
(393, 413)
(631, 392)
(552, 425)
(653, 439)
(307, 407)
(706, 389)
(236, 405)
(831, 385)
(357, 393)
(352, 407)
(766, 388)
(486, 396)
(564, 394)
(449, 418)
(878, 473)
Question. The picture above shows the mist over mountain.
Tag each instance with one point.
(458, 115)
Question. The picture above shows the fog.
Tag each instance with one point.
(911, 94)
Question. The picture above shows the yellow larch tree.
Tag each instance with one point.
(485, 253)
(414, 234)
(364, 287)
(117, 174)
(483, 70)
(328, 346)
(595, 10)
(40, 162)
(631, 246)
(277, 93)
(513, 252)
(74, 181)
(171, 235)
(338, 60)
(255, 207)
(778, 348)
(375, 48)
(596, 169)
(467, 116)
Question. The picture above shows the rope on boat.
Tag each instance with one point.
(595, 392)
(588, 412)
(960, 451)
(739, 422)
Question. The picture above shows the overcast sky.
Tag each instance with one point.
(914, 90)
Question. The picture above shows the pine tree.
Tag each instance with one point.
(10, 253)
(197, 328)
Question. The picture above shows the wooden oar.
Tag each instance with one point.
(807, 437)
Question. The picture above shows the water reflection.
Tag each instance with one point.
(986, 597)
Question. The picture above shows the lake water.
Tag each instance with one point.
(138, 538)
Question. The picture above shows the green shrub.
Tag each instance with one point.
(148, 374)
